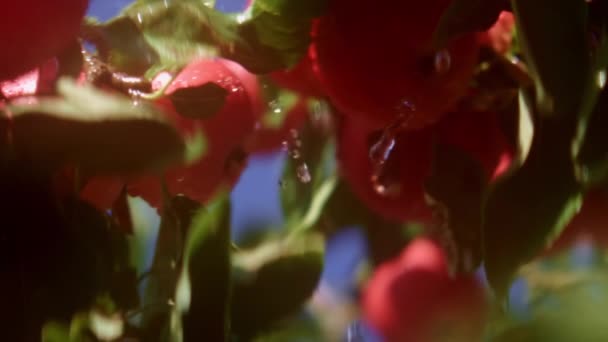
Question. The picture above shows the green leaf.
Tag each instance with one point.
(128, 50)
(273, 34)
(163, 276)
(578, 317)
(457, 188)
(199, 102)
(289, 36)
(465, 16)
(309, 174)
(592, 157)
(528, 209)
(279, 108)
(251, 53)
(106, 327)
(556, 54)
(98, 131)
(293, 8)
(203, 289)
(262, 299)
(56, 332)
(525, 128)
(182, 30)
(590, 144)
(301, 329)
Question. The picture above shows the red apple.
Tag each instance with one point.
(225, 133)
(400, 194)
(39, 80)
(376, 61)
(301, 78)
(500, 36)
(36, 30)
(412, 298)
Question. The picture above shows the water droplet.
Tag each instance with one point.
(381, 150)
(293, 133)
(295, 154)
(380, 153)
(303, 173)
(275, 106)
(384, 185)
(353, 333)
(404, 109)
(320, 109)
(442, 61)
(601, 79)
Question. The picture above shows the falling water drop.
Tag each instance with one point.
(294, 154)
(442, 62)
(381, 150)
(353, 333)
(385, 186)
(303, 173)
(275, 107)
(292, 146)
(383, 182)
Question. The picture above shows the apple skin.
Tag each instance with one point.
(301, 79)
(38, 81)
(409, 165)
(34, 31)
(499, 37)
(226, 133)
(412, 298)
(377, 62)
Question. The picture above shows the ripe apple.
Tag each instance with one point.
(37, 81)
(225, 132)
(376, 61)
(400, 195)
(36, 30)
(500, 36)
(301, 78)
(412, 298)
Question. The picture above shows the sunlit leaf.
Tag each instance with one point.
(203, 290)
(98, 131)
(556, 54)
